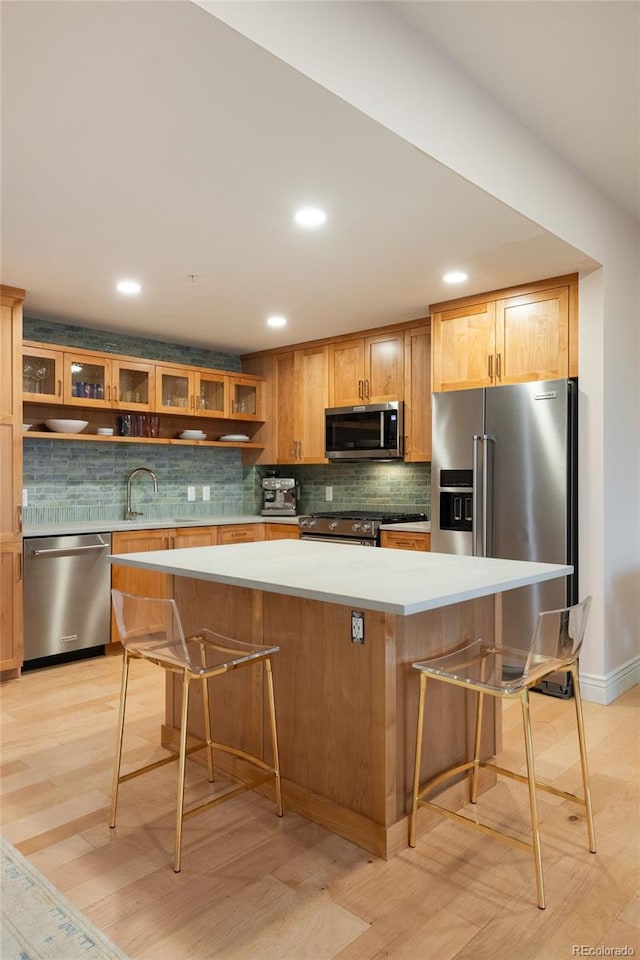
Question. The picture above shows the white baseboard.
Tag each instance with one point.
(604, 689)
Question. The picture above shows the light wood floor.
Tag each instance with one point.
(254, 887)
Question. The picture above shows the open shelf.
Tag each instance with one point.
(51, 435)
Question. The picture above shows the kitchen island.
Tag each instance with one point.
(349, 623)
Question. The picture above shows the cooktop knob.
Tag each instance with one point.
(333, 524)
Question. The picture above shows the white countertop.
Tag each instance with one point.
(394, 581)
(145, 523)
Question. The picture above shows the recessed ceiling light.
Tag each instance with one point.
(310, 217)
(455, 276)
(277, 321)
(130, 287)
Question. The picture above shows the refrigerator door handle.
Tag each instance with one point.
(487, 494)
(477, 440)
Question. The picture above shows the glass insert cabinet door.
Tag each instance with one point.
(87, 380)
(246, 398)
(175, 390)
(42, 375)
(133, 385)
(211, 395)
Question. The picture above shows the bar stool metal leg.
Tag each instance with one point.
(473, 796)
(119, 738)
(206, 706)
(416, 767)
(583, 757)
(533, 803)
(274, 735)
(181, 772)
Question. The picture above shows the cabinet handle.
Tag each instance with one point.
(366, 389)
(109, 391)
(299, 449)
(498, 366)
(115, 394)
(360, 388)
(490, 370)
(59, 388)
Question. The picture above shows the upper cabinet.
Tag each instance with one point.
(417, 394)
(302, 394)
(95, 382)
(367, 369)
(510, 336)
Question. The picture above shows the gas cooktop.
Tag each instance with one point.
(378, 516)
(351, 526)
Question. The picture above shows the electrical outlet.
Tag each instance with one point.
(357, 627)
(191, 493)
(328, 494)
(206, 493)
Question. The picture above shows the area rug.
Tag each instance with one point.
(38, 922)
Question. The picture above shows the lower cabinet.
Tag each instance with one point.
(10, 607)
(241, 533)
(403, 540)
(282, 531)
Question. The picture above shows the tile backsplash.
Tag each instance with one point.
(70, 482)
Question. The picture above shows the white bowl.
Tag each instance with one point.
(105, 431)
(27, 426)
(235, 437)
(193, 435)
(66, 426)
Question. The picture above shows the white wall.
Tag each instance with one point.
(369, 57)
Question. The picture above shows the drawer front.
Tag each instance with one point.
(406, 541)
(241, 533)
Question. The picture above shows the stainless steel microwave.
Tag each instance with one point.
(372, 431)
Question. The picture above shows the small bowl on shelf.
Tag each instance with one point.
(105, 431)
(66, 426)
(26, 426)
(193, 435)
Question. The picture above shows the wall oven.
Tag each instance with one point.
(372, 431)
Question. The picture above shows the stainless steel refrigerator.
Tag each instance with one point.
(504, 484)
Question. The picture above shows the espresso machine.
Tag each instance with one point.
(279, 497)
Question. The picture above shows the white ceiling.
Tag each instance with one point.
(150, 140)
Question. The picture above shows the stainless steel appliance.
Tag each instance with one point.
(351, 526)
(504, 484)
(279, 497)
(67, 583)
(372, 431)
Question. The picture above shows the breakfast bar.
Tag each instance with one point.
(349, 623)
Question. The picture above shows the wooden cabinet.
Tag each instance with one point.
(509, 336)
(197, 392)
(404, 540)
(282, 531)
(241, 533)
(302, 394)
(11, 480)
(194, 537)
(92, 384)
(417, 394)
(367, 369)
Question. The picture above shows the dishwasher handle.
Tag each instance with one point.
(62, 551)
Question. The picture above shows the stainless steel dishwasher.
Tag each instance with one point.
(67, 600)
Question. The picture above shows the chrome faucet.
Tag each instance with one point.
(131, 514)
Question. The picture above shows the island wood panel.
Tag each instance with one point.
(449, 710)
(237, 698)
(282, 531)
(346, 712)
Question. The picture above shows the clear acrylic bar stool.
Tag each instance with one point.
(150, 629)
(504, 672)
